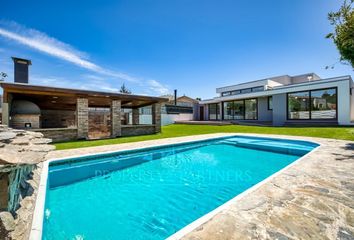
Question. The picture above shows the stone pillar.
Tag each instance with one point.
(5, 114)
(116, 118)
(82, 118)
(135, 116)
(156, 116)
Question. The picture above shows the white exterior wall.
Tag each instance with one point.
(352, 103)
(343, 94)
(166, 119)
(304, 78)
(272, 84)
(242, 86)
(345, 102)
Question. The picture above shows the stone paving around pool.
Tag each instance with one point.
(312, 199)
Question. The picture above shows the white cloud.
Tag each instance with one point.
(51, 46)
(93, 77)
(42, 42)
(88, 84)
(158, 87)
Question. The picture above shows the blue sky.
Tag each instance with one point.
(157, 46)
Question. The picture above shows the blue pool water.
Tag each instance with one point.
(154, 193)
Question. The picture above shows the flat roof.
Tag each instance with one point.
(101, 98)
(265, 79)
(279, 89)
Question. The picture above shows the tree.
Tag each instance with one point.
(343, 34)
(3, 76)
(124, 89)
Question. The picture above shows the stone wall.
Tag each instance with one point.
(21, 153)
(116, 118)
(59, 134)
(19, 120)
(156, 117)
(5, 113)
(136, 130)
(135, 116)
(82, 118)
(58, 118)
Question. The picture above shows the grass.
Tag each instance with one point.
(178, 130)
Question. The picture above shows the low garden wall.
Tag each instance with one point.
(58, 134)
(135, 130)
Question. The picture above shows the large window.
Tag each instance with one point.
(299, 105)
(245, 90)
(258, 89)
(324, 104)
(240, 110)
(251, 109)
(228, 110)
(315, 104)
(226, 94)
(235, 92)
(214, 111)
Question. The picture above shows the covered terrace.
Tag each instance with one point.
(67, 114)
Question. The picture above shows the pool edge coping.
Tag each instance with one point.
(39, 209)
(208, 216)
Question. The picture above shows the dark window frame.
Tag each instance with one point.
(310, 107)
(240, 91)
(217, 108)
(268, 105)
(287, 106)
(246, 89)
(259, 87)
(235, 92)
(244, 104)
(244, 109)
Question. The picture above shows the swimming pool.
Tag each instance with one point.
(153, 193)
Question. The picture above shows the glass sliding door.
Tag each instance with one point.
(239, 110)
(324, 104)
(251, 109)
(299, 105)
(214, 111)
(228, 110)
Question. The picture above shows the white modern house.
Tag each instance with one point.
(305, 99)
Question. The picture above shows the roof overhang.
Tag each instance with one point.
(323, 83)
(69, 96)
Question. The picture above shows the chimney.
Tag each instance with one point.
(175, 97)
(21, 69)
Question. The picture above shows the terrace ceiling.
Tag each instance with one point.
(65, 99)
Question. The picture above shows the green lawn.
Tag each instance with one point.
(178, 130)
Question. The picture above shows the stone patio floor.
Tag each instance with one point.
(313, 199)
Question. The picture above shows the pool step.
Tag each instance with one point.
(271, 146)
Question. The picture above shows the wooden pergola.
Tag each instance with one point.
(79, 101)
